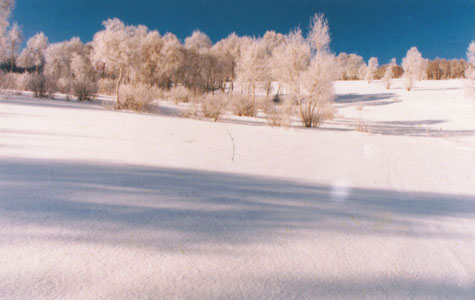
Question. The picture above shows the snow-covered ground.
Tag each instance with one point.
(377, 204)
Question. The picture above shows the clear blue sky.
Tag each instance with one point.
(381, 28)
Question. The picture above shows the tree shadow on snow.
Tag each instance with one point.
(205, 208)
(363, 98)
(414, 128)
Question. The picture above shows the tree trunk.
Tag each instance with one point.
(69, 87)
(117, 89)
(253, 93)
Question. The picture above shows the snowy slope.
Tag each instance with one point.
(99, 204)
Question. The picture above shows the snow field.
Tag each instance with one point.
(99, 204)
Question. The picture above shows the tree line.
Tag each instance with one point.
(121, 58)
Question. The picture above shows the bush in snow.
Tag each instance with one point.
(84, 89)
(212, 106)
(180, 94)
(42, 86)
(107, 86)
(243, 105)
(10, 83)
(278, 114)
(138, 98)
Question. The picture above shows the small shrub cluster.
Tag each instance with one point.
(207, 106)
(180, 94)
(84, 89)
(243, 105)
(279, 114)
(107, 86)
(138, 98)
(8, 84)
(42, 86)
(213, 106)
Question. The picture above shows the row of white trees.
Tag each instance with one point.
(302, 67)
(10, 36)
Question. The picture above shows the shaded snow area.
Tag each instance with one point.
(378, 203)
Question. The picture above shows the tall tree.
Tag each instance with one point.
(414, 66)
(34, 53)
(6, 7)
(13, 42)
(318, 79)
(371, 69)
(118, 46)
(388, 74)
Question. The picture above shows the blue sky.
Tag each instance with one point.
(381, 28)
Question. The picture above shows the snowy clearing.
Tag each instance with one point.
(379, 203)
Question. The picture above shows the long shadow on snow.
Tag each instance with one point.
(403, 128)
(383, 287)
(362, 98)
(112, 203)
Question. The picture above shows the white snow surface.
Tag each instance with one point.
(102, 204)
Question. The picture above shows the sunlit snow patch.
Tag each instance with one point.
(340, 191)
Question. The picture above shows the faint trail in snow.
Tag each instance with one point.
(232, 140)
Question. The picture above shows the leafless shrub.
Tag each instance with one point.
(42, 86)
(8, 84)
(243, 105)
(193, 111)
(107, 86)
(279, 114)
(212, 106)
(84, 89)
(180, 94)
(138, 98)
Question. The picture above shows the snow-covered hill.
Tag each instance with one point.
(377, 204)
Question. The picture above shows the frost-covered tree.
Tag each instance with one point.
(198, 41)
(13, 42)
(56, 60)
(388, 73)
(349, 66)
(151, 48)
(199, 66)
(470, 71)
(6, 7)
(414, 67)
(318, 79)
(362, 71)
(34, 53)
(290, 60)
(272, 40)
(319, 34)
(371, 69)
(253, 65)
(81, 67)
(471, 53)
(228, 51)
(171, 60)
(118, 46)
(59, 59)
